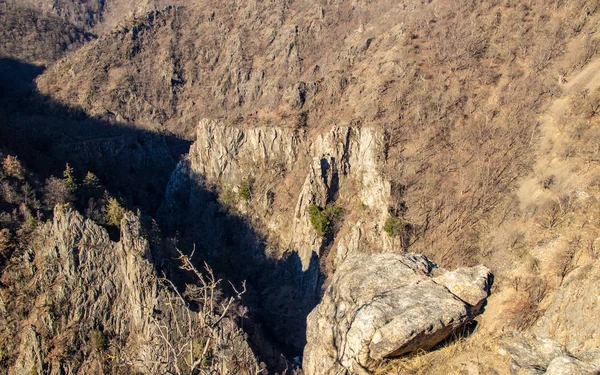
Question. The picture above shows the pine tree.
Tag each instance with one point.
(91, 186)
(69, 178)
(114, 212)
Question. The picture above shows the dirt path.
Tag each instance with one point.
(549, 160)
(588, 78)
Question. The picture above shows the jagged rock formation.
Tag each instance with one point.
(91, 305)
(84, 282)
(536, 356)
(384, 306)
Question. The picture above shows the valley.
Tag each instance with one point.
(299, 187)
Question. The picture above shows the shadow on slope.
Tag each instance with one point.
(280, 293)
(134, 164)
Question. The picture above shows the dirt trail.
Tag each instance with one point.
(588, 78)
(549, 160)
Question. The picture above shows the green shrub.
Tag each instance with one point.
(393, 226)
(322, 220)
(245, 191)
(319, 220)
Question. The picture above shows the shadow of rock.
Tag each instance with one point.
(280, 294)
(134, 164)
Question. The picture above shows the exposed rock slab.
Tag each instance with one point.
(573, 315)
(388, 305)
(536, 356)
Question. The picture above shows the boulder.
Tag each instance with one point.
(388, 305)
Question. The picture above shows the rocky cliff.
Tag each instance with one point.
(78, 303)
(293, 169)
(272, 176)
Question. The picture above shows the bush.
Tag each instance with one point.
(393, 226)
(318, 220)
(245, 191)
(97, 339)
(322, 220)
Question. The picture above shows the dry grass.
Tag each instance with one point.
(477, 354)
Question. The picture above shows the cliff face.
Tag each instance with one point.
(78, 303)
(273, 175)
(289, 169)
(268, 178)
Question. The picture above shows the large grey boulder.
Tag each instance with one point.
(388, 305)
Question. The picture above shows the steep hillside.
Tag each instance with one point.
(30, 35)
(456, 88)
(323, 131)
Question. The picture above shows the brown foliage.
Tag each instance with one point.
(13, 168)
(56, 192)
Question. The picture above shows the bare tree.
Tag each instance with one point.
(192, 338)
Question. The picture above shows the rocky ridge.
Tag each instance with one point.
(98, 305)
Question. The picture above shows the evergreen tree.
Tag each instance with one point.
(92, 188)
(114, 212)
(69, 178)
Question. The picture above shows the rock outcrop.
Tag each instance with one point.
(270, 177)
(388, 305)
(544, 356)
(574, 312)
(92, 305)
(289, 165)
(84, 282)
